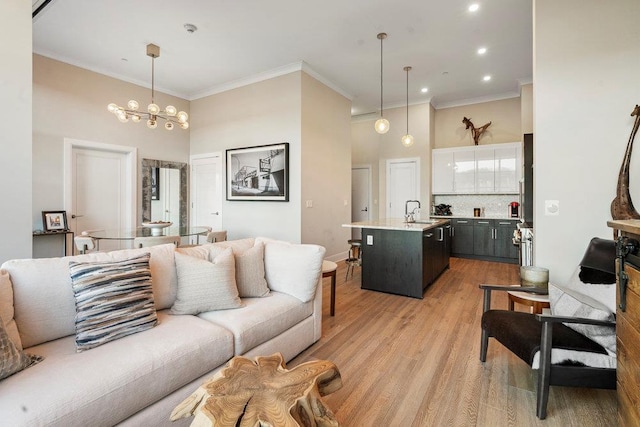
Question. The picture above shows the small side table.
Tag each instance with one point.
(536, 302)
(64, 233)
(329, 270)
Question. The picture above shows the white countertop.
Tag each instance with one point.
(502, 218)
(396, 224)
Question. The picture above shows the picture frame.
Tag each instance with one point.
(53, 221)
(258, 173)
(155, 183)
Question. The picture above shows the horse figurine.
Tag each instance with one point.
(622, 206)
(475, 132)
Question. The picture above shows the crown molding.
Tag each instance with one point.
(478, 100)
(270, 74)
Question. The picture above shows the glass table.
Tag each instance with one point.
(132, 233)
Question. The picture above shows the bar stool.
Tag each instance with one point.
(355, 256)
(329, 270)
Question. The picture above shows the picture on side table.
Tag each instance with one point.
(54, 221)
(258, 173)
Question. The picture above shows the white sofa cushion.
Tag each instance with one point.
(110, 383)
(205, 285)
(6, 309)
(113, 299)
(43, 299)
(260, 319)
(292, 268)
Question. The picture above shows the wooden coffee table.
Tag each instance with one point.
(263, 392)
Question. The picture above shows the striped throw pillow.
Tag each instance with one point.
(113, 299)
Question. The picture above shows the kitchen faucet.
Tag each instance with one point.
(408, 217)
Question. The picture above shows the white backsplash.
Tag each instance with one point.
(495, 205)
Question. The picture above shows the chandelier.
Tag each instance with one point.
(170, 114)
(382, 124)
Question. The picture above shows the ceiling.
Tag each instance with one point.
(243, 41)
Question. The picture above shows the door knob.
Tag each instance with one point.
(76, 216)
(215, 213)
(366, 209)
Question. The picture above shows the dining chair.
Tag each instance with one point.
(84, 243)
(144, 242)
(217, 236)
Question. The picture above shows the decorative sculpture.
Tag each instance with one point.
(622, 206)
(475, 132)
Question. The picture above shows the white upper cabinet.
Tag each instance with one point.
(464, 172)
(484, 169)
(508, 168)
(442, 167)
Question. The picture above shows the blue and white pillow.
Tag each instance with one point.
(113, 299)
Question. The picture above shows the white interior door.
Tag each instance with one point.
(403, 183)
(206, 192)
(360, 197)
(100, 189)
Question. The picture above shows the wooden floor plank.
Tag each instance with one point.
(415, 362)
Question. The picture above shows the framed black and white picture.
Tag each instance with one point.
(54, 221)
(155, 183)
(258, 173)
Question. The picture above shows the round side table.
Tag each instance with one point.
(536, 302)
(329, 270)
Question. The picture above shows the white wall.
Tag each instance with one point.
(262, 113)
(368, 147)
(326, 167)
(15, 143)
(586, 62)
(504, 115)
(71, 102)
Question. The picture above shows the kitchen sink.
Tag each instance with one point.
(426, 221)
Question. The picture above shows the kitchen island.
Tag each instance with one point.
(403, 258)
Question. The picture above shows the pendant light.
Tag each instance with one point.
(407, 140)
(382, 124)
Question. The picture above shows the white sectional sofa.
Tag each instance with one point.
(138, 379)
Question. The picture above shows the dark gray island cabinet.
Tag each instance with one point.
(403, 259)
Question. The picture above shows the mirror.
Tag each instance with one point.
(164, 191)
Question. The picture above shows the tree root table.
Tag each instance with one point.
(262, 392)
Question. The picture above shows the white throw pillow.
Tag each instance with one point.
(292, 268)
(204, 285)
(572, 301)
(250, 274)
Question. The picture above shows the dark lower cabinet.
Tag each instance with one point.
(483, 237)
(403, 262)
(461, 237)
(489, 239)
(504, 247)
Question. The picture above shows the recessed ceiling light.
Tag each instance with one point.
(474, 7)
(424, 90)
(486, 78)
(482, 51)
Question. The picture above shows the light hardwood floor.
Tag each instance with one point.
(412, 362)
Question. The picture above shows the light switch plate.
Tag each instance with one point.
(551, 207)
(369, 240)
